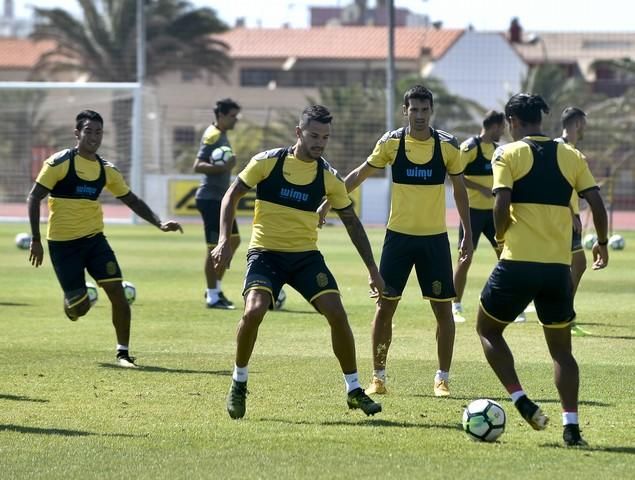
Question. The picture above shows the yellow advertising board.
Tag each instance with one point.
(181, 193)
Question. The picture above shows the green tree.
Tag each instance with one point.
(102, 46)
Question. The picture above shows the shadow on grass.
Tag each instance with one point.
(155, 369)
(365, 422)
(13, 304)
(21, 398)
(303, 312)
(630, 450)
(614, 337)
(589, 403)
(504, 400)
(61, 431)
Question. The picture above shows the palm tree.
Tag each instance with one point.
(102, 46)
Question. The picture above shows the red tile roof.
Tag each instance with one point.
(22, 53)
(366, 43)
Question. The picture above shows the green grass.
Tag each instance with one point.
(66, 412)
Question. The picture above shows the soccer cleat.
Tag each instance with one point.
(70, 317)
(458, 317)
(521, 318)
(125, 360)
(236, 399)
(441, 388)
(572, 437)
(222, 296)
(531, 413)
(222, 304)
(358, 399)
(578, 331)
(377, 386)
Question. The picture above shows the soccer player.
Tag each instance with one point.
(416, 235)
(213, 186)
(290, 185)
(573, 122)
(73, 179)
(534, 178)
(476, 156)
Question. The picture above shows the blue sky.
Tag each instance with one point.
(535, 15)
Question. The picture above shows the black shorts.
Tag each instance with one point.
(429, 254)
(482, 221)
(576, 240)
(306, 272)
(210, 212)
(71, 257)
(512, 285)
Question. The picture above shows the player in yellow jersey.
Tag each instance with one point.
(290, 185)
(416, 236)
(573, 122)
(209, 194)
(73, 179)
(476, 157)
(534, 178)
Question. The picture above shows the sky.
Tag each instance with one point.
(534, 15)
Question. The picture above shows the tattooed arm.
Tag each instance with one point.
(359, 238)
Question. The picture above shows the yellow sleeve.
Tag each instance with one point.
(336, 192)
(380, 156)
(115, 183)
(501, 170)
(467, 155)
(257, 170)
(584, 178)
(211, 135)
(452, 158)
(50, 173)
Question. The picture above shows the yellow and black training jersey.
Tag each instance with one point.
(289, 191)
(541, 175)
(419, 169)
(213, 186)
(476, 158)
(575, 198)
(75, 183)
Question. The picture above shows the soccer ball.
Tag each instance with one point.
(616, 242)
(588, 240)
(93, 294)
(484, 420)
(129, 291)
(279, 303)
(23, 241)
(222, 155)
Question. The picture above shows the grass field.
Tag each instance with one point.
(66, 412)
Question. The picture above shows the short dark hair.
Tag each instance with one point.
(420, 93)
(570, 114)
(89, 115)
(317, 113)
(493, 117)
(224, 106)
(527, 107)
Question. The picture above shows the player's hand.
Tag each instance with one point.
(577, 224)
(170, 226)
(221, 257)
(466, 249)
(600, 256)
(36, 253)
(376, 284)
(486, 192)
(322, 211)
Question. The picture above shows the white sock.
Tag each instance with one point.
(441, 375)
(569, 418)
(212, 294)
(457, 307)
(380, 374)
(516, 395)
(122, 347)
(240, 373)
(352, 381)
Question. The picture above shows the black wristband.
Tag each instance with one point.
(605, 242)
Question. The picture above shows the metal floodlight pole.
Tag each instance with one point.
(136, 148)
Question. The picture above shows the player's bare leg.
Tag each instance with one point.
(445, 346)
